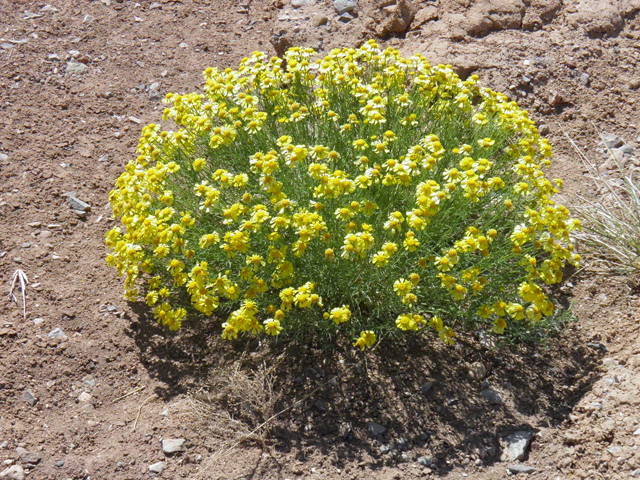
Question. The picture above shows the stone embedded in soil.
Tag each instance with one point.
(76, 203)
(29, 397)
(425, 461)
(38, 321)
(173, 445)
(319, 20)
(491, 396)
(14, 472)
(30, 458)
(516, 445)
(627, 150)
(611, 140)
(376, 429)
(345, 18)
(57, 334)
(4, 157)
(521, 469)
(301, 3)
(154, 93)
(76, 67)
(343, 6)
(157, 467)
(426, 387)
(85, 397)
(636, 473)
(477, 371)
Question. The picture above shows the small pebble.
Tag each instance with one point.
(173, 445)
(57, 334)
(157, 467)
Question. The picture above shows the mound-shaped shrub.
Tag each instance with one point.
(361, 193)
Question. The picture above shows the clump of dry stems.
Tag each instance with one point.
(611, 220)
(235, 406)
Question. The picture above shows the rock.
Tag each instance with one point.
(376, 429)
(489, 15)
(14, 472)
(157, 467)
(584, 79)
(555, 99)
(611, 141)
(57, 334)
(426, 387)
(319, 20)
(516, 445)
(173, 445)
(30, 458)
(345, 18)
(84, 397)
(404, 458)
(301, 3)
(4, 157)
(154, 94)
(59, 463)
(627, 150)
(634, 84)
(636, 473)
(75, 67)
(395, 17)
(384, 449)
(320, 406)
(521, 469)
(38, 321)
(26, 245)
(344, 6)
(477, 371)
(596, 17)
(76, 203)
(425, 461)
(48, 8)
(491, 396)
(424, 15)
(29, 397)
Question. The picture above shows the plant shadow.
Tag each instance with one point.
(407, 399)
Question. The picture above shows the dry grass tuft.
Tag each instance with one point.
(611, 222)
(235, 407)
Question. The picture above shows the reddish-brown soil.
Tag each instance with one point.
(575, 64)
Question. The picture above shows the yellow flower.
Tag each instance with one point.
(272, 327)
(367, 339)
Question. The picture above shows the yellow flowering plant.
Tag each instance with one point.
(361, 193)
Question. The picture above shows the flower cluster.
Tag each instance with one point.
(359, 192)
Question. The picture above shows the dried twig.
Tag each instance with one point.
(135, 390)
(20, 276)
(135, 422)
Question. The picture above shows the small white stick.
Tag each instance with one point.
(20, 276)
